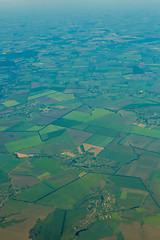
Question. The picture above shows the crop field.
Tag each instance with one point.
(67, 123)
(155, 133)
(47, 164)
(66, 197)
(23, 181)
(3, 177)
(60, 179)
(103, 131)
(79, 137)
(10, 103)
(24, 143)
(154, 220)
(99, 140)
(50, 128)
(123, 195)
(61, 97)
(34, 193)
(86, 117)
(41, 95)
(114, 122)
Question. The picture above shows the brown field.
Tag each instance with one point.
(60, 107)
(102, 183)
(22, 155)
(20, 231)
(6, 234)
(93, 149)
(109, 238)
(79, 150)
(134, 231)
(22, 180)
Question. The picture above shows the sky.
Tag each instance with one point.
(79, 4)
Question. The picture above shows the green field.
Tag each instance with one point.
(73, 217)
(61, 96)
(34, 193)
(23, 143)
(155, 133)
(60, 178)
(97, 231)
(67, 196)
(103, 131)
(40, 95)
(3, 177)
(44, 229)
(113, 121)
(99, 140)
(10, 103)
(123, 195)
(127, 182)
(3, 129)
(8, 162)
(34, 128)
(47, 164)
(86, 117)
(153, 220)
(93, 180)
(50, 128)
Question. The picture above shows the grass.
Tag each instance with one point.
(23, 143)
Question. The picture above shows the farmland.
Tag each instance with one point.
(80, 126)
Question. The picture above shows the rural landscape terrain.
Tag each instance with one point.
(80, 127)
